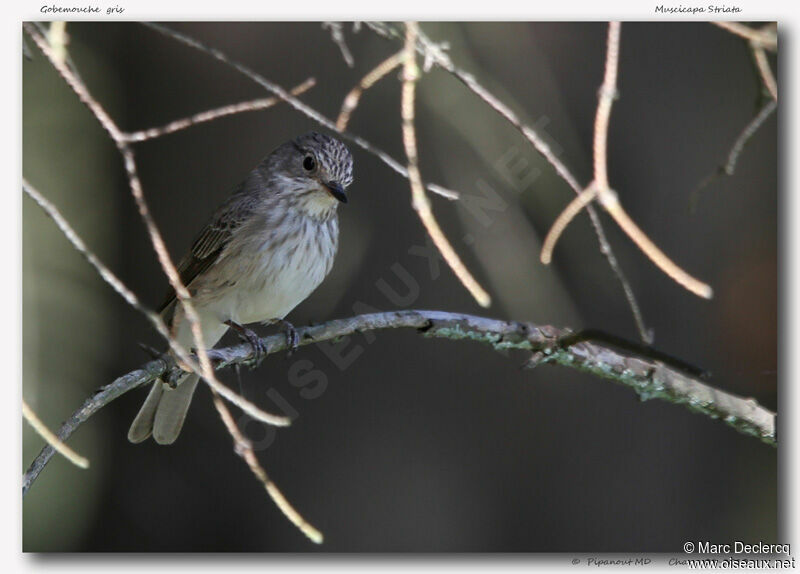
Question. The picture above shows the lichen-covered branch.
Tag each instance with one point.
(650, 378)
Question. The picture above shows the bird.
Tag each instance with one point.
(264, 251)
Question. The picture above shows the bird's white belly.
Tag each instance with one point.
(274, 299)
(270, 283)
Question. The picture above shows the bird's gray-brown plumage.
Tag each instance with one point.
(266, 248)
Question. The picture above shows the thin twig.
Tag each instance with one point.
(103, 396)
(610, 200)
(105, 273)
(747, 133)
(607, 95)
(51, 439)
(205, 369)
(767, 38)
(209, 115)
(337, 35)
(434, 54)
(766, 72)
(605, 195)
(57, 37)
(244, 449)
(654, 253)
(560, 224)
(293, 102)
(130, 297)
(732, 159)
(760, 40)
(419, 199)
(352, 98)
(646, 374)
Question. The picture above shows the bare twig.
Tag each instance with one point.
(767, 76)
(205, 369)
(560, 224)
(760, 40)
(653, 253)
(647, 376)
(105, 273)
(294, 103)
(732, 159)
(433, 53)
(244, 449)
(142, 376)
(337, 35)
(352, 98)
(607, 95)
(207, 116)
(650, 378)
(58, 39)
(51, 439)
(605, 195)
(419, 200)
(747, 133)
(766, 38)
(130, 297)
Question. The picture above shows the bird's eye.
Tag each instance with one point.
(309, 163)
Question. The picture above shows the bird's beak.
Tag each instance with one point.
(336, 190)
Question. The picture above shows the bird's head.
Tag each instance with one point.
(313, 171)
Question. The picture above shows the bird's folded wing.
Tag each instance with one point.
(211, 241)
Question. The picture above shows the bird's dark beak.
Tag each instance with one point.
(337, 191)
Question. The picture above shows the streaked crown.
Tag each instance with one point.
(333, 158)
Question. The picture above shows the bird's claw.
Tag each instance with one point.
(292, 338)
(250, 336)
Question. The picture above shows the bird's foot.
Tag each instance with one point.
(292, 338)
(259, 348)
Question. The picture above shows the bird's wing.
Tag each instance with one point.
(211, 241)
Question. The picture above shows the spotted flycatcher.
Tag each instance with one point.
(262, 253)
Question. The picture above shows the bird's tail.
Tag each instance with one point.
(164, 411)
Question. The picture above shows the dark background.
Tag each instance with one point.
(416, 445)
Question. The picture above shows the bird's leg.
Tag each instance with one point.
(259, 349)
(292, 338)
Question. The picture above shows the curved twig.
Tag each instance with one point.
(41, 429)
(419, 199)
(768, 38)
(204, 369)
(606, 197)
(216, 113)
(433, 53)
(294, 103)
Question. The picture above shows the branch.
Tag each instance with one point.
(419, 199)
(434, 54)
(352, 98)
(244, 448)
(337, 35)
(766, 37)
(51, 439)
(607, 197)
(295, 103)
(204, 369)
(209, 115)
(767, 76)
(650, 378)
